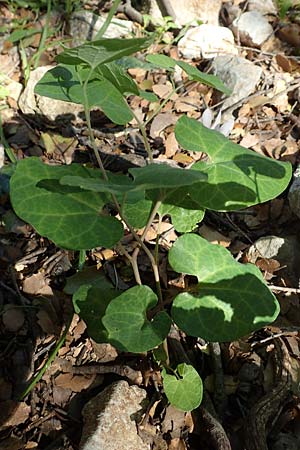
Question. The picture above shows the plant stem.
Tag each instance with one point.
(145, 248)
(142, 129)
(4, 142)
(82, 254)
(108, 20)
(87, 114)
(43, 36)
(51, 358)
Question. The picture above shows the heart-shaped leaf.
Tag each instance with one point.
(237, 177)
(90, 302)
(70, 217)
(102, 51)
(231, 299)
(65, 82)
(185, 389)
(127, 325)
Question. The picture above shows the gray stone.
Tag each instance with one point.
(31, 103)
(207, 41)
(240, 75)
(193, 10)
(254, 26)
(109, 419)
(84, 25)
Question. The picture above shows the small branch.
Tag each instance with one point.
(132, 13)
(284, 289)
(219, 391)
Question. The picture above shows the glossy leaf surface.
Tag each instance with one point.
(70, 217)
(231, 299)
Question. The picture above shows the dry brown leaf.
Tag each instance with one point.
(160, 122)
(104, 352)
(288, 64)
(37, 284)
(214, 236)
(177, 444)
(13, 318)
(171, 145)
(184, 106)
(290, 33)
(249, 140)
(183, 158)
(14, 413)
(61, 396)
(76, 383)
(164, 90)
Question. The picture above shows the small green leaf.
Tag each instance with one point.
(231, 299)
(149, 177)
(70, 217)
(184, 391)
(114, 73)
(165, 62)
(149, 96)
(127, 325)
(205, 78)
(237, 177)
(90, 302)
(183, 219)
(162, 61)
(102, 51)
(156, 176)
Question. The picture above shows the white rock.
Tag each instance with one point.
(109, 419)
(265, 7)
(191, 11)
(239, 74)
(255, 26)
(207, 41)
(31, 103)
(84, 25)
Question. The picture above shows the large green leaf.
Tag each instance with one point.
(70, 217)
(127, 325)
(231, 299)
(64, 82)
(237, 177)
(102, 51)
(185, 389)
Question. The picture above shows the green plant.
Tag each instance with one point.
(68, 204)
